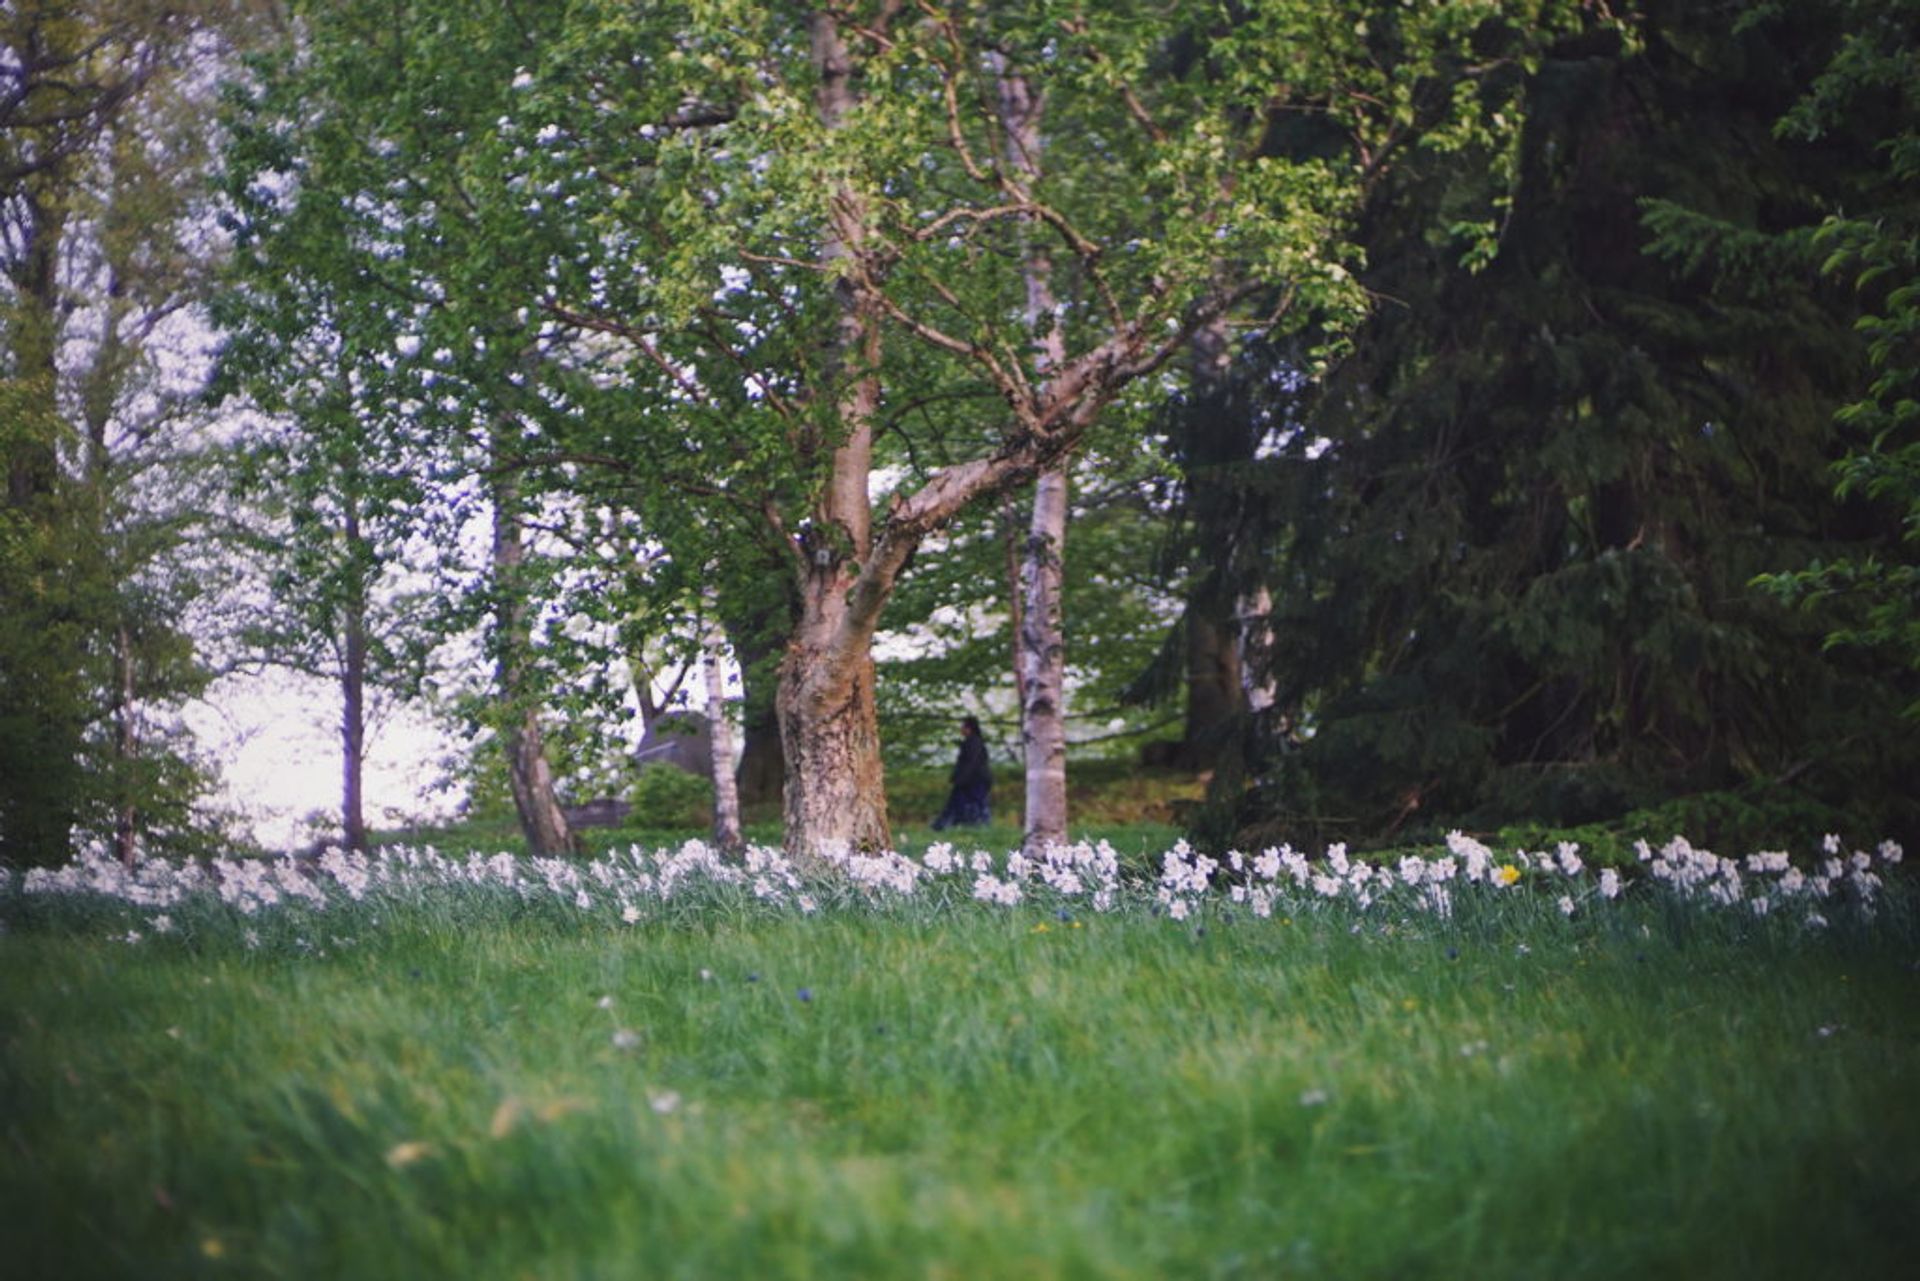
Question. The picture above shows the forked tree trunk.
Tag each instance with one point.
(835, 799)
(845, 568)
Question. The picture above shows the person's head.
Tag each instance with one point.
(969, 727)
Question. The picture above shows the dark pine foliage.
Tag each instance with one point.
(1512, 545)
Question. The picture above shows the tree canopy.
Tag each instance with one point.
(1453, 396)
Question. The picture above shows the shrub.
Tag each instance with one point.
(670, 797)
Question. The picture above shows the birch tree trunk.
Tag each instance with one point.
(726, 792)
(1042, 663)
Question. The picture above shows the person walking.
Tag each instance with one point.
(967, 803)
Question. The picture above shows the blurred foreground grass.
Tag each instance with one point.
(971, 1093)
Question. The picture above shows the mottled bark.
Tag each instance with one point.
(1043, 666)
(835, 796)
(835, 799)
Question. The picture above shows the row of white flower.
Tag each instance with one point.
(633, 884)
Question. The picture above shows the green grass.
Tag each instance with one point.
(968, 1093)
(1136, 808)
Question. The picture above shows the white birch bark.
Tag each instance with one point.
(1041, 639)
(726, 792)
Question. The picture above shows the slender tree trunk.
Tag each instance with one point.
(1043, 664)
(529, 774)
(535, 796)
(126, 743)
(835, 798)
(1013, 538)
(353, 703)
(1216, 445)
(726, 792)
(1256, 644)
(762, 767)
(99, 393)
(1041, 670)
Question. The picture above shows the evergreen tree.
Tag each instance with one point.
(1513, 541)
(1869, 89)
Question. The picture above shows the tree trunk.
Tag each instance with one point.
(726, 792)
(529, 773)
(126, 744)
(1013, 541)
(535, 798)
(1042, 665)
(835, 798)
(1255, 633)
(1215, 695)
(100, 388)
(353, 703)
(1216, 446)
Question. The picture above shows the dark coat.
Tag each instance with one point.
(972, 781)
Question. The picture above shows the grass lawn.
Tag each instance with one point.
(957, 1090)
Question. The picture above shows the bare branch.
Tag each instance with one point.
(934, 229)
(950, 94)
